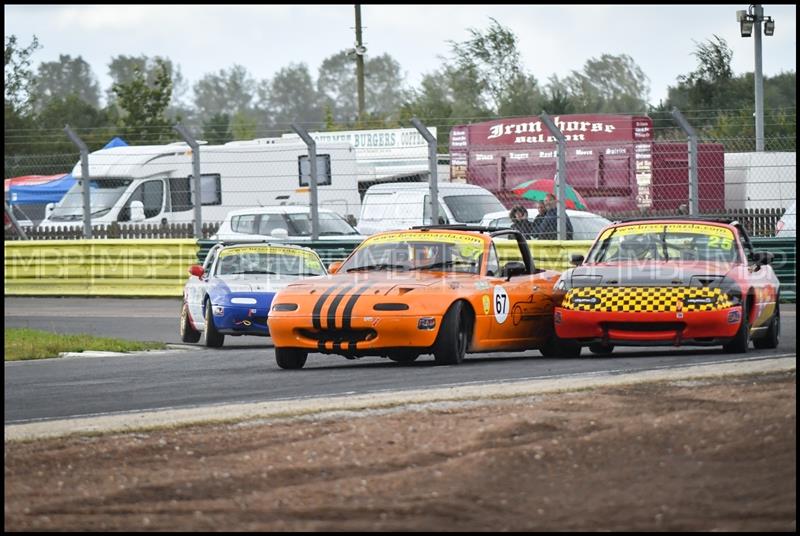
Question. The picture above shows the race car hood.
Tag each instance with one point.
(255, 282)
(652, 273)
(387, 283)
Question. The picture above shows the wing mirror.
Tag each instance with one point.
(576, 260)
(196, 270)
(137, 211)
(334, 267)
(762, 257)
(514, 268)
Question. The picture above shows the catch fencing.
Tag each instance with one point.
(617, 166)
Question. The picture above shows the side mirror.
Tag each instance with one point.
(576, 259)
(48, 208)
(334, 267)
(762, 257)
(513, 268)
(196, 270)
(137, 211)
(279, 233)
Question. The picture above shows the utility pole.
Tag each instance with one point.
(360, 50)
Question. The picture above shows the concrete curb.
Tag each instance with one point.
(127, 422)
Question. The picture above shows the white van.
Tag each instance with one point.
(151, 184)
(396, 205)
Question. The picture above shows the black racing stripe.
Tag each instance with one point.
(337, 347)
(320, 345)
(348, 309)
(315, 315)
(351, 345)
(334, 304)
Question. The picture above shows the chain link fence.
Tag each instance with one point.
(617, 166)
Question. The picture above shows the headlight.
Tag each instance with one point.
(732, 289)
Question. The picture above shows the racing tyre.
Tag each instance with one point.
(740, 341)
(290, 358)
(451, 344)
(770, 340)
(600, 348)
(188, 333)
(558, 347)
(213, 338)
(404, 356)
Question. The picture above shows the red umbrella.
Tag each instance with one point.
(538, 189)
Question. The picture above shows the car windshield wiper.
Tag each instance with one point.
(301, 273)
(252, 272)
(378, 267)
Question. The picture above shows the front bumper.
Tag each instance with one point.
(648, 328)
(242, 320)
(373, 335)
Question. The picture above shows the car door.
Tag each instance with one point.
(762, 279)
(520, 305)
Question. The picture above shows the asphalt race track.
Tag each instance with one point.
(244, 370)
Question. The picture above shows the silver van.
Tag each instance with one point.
(396, 205)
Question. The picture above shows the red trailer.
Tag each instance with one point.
(608, 157)
(670, 181)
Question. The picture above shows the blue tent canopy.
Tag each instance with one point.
(52, 191)
(47, 192)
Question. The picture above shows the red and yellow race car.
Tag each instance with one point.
(669, 282)
(441, 290)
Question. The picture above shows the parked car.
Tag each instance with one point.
(392, 206)
(787, 225)
(585, 225)
(669, 282)
(231, 292)
(442, 290)
(284, 222)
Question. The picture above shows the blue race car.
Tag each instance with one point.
(231, 293)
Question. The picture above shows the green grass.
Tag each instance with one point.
(24, 343)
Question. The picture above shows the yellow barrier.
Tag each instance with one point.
(115, 267)
(156, 267)
(547, 254)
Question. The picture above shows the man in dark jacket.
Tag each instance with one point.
(545, 226)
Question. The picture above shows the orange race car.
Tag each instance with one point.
(445, 290)
(669, 282)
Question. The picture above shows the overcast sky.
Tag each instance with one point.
(553, 39)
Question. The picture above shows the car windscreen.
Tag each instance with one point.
(103, 193)
(665, 242)
(471, 208)
(268, 260)
(446, 252)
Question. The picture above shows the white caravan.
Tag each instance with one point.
(151, 184)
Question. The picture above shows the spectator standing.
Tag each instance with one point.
(520, 221)
(545, 226)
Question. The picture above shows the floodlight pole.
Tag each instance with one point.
(758, 11)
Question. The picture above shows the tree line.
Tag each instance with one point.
(481, 78)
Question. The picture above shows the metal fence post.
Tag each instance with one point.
(196, 184)
(561, 175)
(14, 222)
(85, 181)
(693, 170)
(312, 161)
(432, 167)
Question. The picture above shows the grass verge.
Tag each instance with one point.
(24, 343)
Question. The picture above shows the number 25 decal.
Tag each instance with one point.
(500, 304)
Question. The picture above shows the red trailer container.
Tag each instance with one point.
(670, 181)
(608, 157)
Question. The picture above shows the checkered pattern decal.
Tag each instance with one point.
(647, 299)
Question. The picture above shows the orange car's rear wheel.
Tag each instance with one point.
(453, 339)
